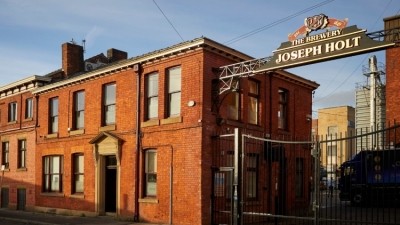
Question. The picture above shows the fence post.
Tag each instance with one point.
(237, 178)
(315, 152)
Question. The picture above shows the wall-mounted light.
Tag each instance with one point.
(191, 103)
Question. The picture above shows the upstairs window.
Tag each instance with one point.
(12, 112)
(282, 113)
(29, 108)
(53, 115)
(234, 103)
(109, 100)
(79, 110)
(254, 98)
(152, 96)
(174, 91)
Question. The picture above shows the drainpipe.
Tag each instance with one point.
(138, 133)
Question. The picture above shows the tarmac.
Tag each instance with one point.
(37, 218)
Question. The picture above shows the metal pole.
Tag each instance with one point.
(237, 178)
(315, 153)
(373, 69)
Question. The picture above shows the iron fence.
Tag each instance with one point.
(332, 179)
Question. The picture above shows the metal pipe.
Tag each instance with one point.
(138, 133)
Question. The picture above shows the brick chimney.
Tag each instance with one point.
(72, 59)
(114, 55)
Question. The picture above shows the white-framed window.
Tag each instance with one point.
(28, 108)
(5, 154)
(174, 91)
(79, 110)
(53, 115)
(78, 173)
(12, 111)
(152, 96)
(52, 173)
(22, 153)
(150, 173)
(254, 98)
(109, 103)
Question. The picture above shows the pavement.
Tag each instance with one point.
(37, 218)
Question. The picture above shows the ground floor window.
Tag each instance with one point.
(151, 173)
(52, 173)
(78, 181)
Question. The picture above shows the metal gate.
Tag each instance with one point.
(262, 181)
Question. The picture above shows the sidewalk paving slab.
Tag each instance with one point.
(37, 218)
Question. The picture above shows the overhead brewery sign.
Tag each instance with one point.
(303, 47)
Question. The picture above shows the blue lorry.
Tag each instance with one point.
(370, 176)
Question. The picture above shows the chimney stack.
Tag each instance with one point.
(72, 58)
(114, 55)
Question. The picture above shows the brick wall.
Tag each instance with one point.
(11, 132)
(392, 84)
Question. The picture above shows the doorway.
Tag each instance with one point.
(110, 184)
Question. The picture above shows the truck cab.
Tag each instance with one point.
(370, 175)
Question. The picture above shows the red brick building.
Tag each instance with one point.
(133, 137)
(392, 72)
(18, 118)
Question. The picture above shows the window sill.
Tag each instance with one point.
(107, 128)
(27, 119)
(6, 170)
(236, 123)
(254, 127)
(81, 196)
(150, 123)
(148, 200)
(50, 136)
(22, 169)
(76, 132)
(12, 122)
(171, 120)
(51, 194)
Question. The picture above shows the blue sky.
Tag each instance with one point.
(32, 32)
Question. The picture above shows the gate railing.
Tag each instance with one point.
(264, 181)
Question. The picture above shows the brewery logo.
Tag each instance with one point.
(315, 23)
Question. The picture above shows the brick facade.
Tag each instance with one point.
(19, 177)
(183, 143)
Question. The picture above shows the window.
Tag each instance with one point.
(12, 112)
(233, 104)
(299, 177)
(282, 113)
(109, 99)
(52, 173)
(332, 150)
(151, 173)
(254, 96)
(5, 160)
(252, 176)
(174, 91)
(21, 153)
(78, 173)
(28, 108)
(79, 110)
(53, 115)
(152, 96)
